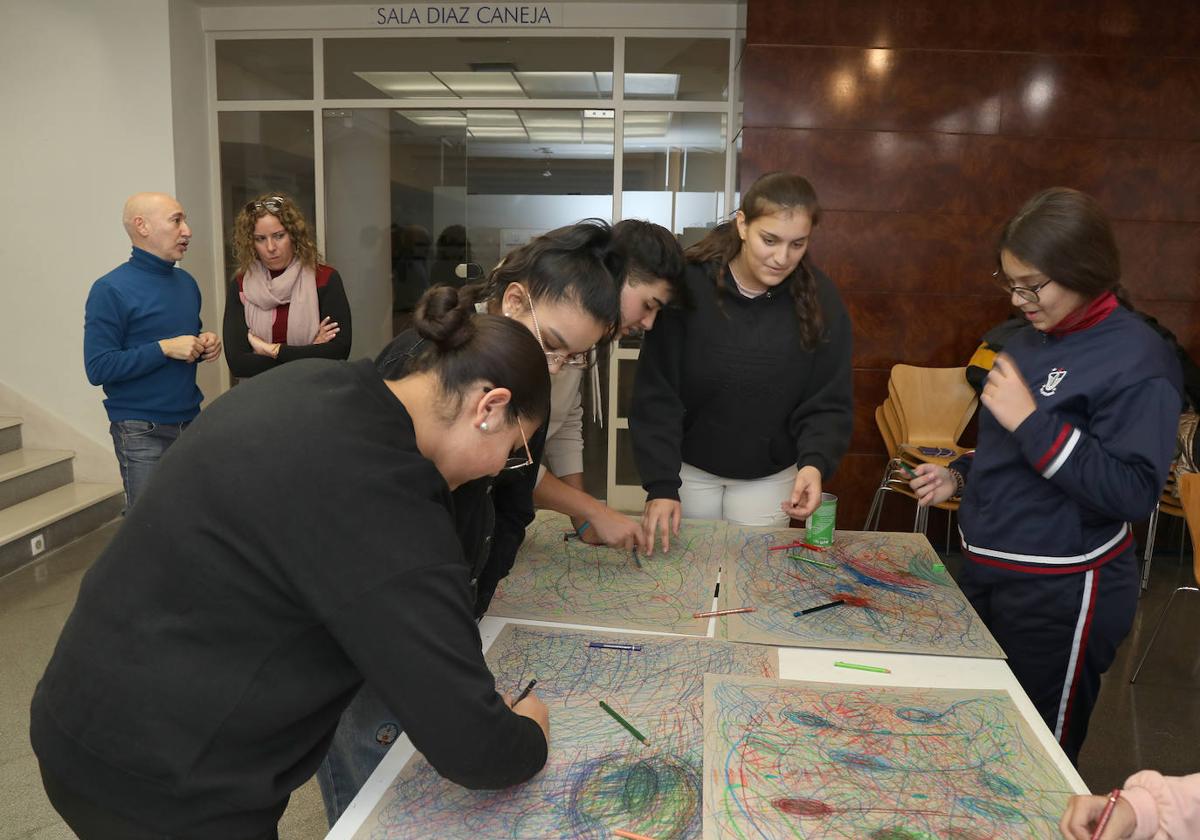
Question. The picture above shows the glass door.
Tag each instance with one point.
(396, 212)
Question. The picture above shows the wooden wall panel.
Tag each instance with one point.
(843, 87)
(979, 174)
(924, 125)
(1104, 27)
(1102, 96)
(906, 253)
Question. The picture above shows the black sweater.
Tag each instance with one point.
(293, 543)
(727, 386)
(331, 303)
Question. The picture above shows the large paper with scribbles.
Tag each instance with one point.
(598, 777)
(828, 760)
(897, 596)
(572, 582)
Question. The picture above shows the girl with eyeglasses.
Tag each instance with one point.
(218, 638)
(742, 403)
(283, 303)
(560, 290)
(1076, 435)
(650, 279)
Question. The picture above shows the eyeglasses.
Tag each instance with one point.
(574, 360)
(516, 462)
(273, 204)
(1029, 294)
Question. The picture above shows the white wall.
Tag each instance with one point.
(87, 91)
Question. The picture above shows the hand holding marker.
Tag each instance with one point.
(524, 693)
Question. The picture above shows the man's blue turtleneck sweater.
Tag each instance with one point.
(128, 311)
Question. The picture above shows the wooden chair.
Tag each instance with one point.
(926, 407)
(1189, 497)
(1169, 505)
(933, 404)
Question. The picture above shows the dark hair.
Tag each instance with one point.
(570, 263)
(1064, 234)
(463, 348)
(650, 252)
(771, 193)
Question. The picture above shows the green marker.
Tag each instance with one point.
(873, 668)
(939, 567)
(907, 469)
(623, 722)
(820, 563)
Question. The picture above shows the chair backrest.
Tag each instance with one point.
(885, 432)
(1189, 495)
(934, 403)
(894, 422)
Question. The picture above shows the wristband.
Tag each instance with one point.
(960, 483)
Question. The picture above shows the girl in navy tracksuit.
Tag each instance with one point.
(1075, 440)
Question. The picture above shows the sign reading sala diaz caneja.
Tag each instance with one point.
(504, 14)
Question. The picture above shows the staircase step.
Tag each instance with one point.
(61, 515)
(26, 473)
(10, 434)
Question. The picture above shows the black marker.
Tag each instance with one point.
(525, 693)
(836, 603)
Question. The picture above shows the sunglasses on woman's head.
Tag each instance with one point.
(273, 205)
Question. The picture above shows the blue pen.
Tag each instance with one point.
(610, 646)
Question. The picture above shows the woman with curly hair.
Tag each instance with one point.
(283, 303)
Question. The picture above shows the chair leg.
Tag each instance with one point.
(883, 493)
(949, 522)
(1151, 532)
(876, 510)
(1161, 618)
(876, 502)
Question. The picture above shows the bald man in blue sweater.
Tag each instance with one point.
(142, 339)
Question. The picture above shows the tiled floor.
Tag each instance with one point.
(1155, 723)
(34, 604)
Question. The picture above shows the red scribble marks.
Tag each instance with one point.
(803, 807)
(854, 600)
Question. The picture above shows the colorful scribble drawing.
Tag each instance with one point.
(598, 777)
(895, 598)
(576, 583)
(826, 760)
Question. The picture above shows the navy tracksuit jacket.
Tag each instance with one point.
(1045, 517)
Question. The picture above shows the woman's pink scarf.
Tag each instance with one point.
(262, 293)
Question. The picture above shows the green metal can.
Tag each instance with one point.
(823, 520)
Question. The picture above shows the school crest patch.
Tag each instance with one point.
(1052, 381)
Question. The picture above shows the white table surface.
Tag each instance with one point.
(815, 664)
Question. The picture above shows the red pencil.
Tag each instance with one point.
(1108, 809)
(796, 544)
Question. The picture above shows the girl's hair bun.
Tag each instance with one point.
(443, 316)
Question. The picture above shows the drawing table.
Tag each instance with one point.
(813, 664)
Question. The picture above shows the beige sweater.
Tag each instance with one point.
(564, 430)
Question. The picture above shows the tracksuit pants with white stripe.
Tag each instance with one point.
(1060, 633)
